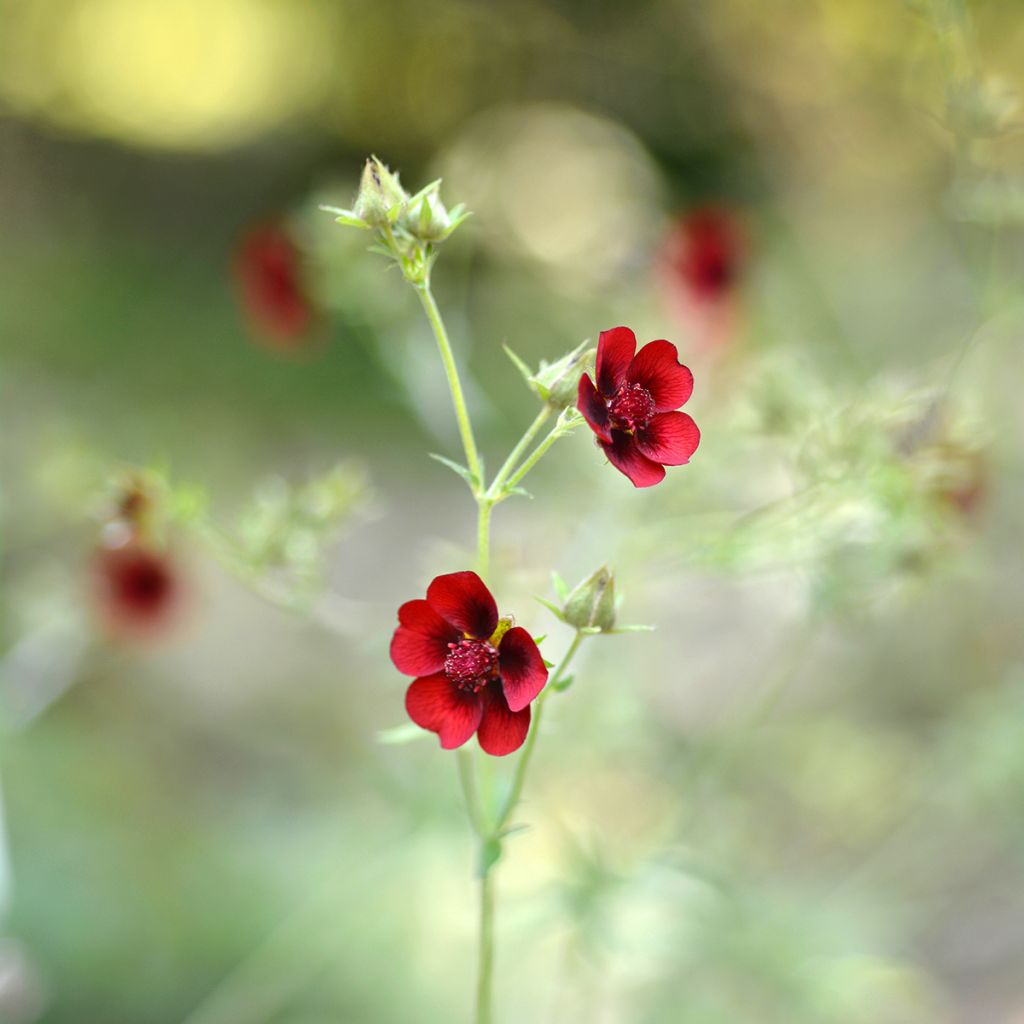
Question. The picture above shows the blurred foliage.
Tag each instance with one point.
(799, 798)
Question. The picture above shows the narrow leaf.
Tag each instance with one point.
(399, 734)
(455, 467)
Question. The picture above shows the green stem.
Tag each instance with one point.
(517, 453)
(454, 384)
(538, 453)
(483, 987)
(467, 779)
(483, 536)
(519, 778)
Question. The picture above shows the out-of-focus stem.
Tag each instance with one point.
(483, 537)
(483, 987)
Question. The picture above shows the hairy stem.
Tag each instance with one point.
(454, 384)
(517, 453)
(560, 428)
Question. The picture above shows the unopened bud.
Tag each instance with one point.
(557, 383)
(425, 217)
(381, 198)
(591, 603)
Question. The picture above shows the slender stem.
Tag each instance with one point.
(517, 453)
(483, 986)
(454, 384)
(531, 740)
(538, 453)
(483, 536)
(467, 779)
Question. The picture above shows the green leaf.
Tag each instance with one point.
(561, 587)
(564, 683)
(490, 853)
(549, 664)
(518, 490)
(456, 467)
(553, 608)
(399, 734)
(511, 830)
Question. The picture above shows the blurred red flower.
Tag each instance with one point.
(137, 588)
(700, 265)
(475, 673)
(269, 278)
(630, 409)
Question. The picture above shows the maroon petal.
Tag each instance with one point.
(523, 672)
(624, 455)
(436, 704)
(615, 349)
(420, 643)
(462, 599)
(657, 368)
(592, 405)
(502, 730)
(670, 438)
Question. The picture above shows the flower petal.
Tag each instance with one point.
(523, 672)
(670, 438)
(501, 729)
(420, 643)
(592, 405)
(615, 349)
(435, 703)
(462, 599)
(657, 368)
(624, 455)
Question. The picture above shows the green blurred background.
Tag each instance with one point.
(801, 799)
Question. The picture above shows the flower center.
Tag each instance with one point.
(471, 664)
(632, 407)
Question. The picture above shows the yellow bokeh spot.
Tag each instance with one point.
(182, 73)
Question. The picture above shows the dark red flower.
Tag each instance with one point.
(475, 673)
(136, 587)
(268, 274)
(630, 409)
(704, 251)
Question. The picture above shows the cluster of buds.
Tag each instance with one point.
(408, 227)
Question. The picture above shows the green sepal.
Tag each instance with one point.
(520, 365)
(561, 587)
(553, 608)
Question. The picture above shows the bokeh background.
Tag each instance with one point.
(801, 799)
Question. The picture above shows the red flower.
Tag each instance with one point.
(475, 673)
(137, 588)
(630, 409)
(268, 274)
(705, 253)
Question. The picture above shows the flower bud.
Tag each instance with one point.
(381, 198)
(591, 604)
(557, 383)
(425, 217)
